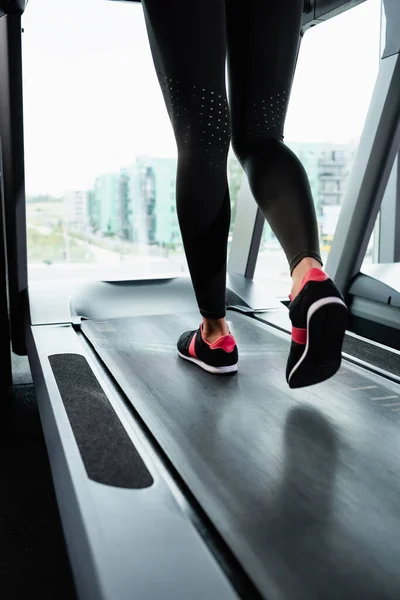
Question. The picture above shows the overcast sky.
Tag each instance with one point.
(92, 102)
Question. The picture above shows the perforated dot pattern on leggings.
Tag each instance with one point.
(200, 118)
(268, 114)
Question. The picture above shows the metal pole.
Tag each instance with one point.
(4, 306)
(12, 136)
(389, 222)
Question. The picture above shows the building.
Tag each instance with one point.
(138, 203)
(152, 191)
(125, 206)
(334, 167)
(328, 168)
(93, 211)
(104, 204)
(76, 210)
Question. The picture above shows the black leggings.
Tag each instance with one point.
(190, 42)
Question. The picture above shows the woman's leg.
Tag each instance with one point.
(188, 43)
(263, 39)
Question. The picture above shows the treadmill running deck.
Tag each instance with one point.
(304, 485)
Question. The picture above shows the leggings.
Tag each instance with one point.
(192, 42)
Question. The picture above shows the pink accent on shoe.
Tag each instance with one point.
(226, 343)
(313, 275)
(299, 335)
(192, 347)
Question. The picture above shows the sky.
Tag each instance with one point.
(92, 101)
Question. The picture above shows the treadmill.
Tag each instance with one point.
(171, 482)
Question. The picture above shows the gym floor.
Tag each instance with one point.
(33, 558)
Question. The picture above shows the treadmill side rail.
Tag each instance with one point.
(122, 543)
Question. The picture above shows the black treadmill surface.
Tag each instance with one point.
(304, 485)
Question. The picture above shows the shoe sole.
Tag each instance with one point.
(322, 356)
(209, 368)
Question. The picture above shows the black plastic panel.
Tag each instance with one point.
(323, 7)
(318, 11)
(106, 449)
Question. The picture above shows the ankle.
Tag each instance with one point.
(213, 329)
(300, 271)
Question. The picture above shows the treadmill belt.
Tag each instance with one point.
(303, 485)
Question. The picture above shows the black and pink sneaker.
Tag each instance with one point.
(221, 357)
(319, 320)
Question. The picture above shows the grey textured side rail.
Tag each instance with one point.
(107, 451)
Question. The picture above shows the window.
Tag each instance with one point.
(100, 181)
(336, 73)
(100, 151)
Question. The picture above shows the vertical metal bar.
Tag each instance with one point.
(397, 216)
(389, 225)
(377, 150)
(376, 239)
(246, 239)
(12, 135)
(6, 374)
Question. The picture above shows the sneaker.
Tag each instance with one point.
(319, 320)
(221, 357)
